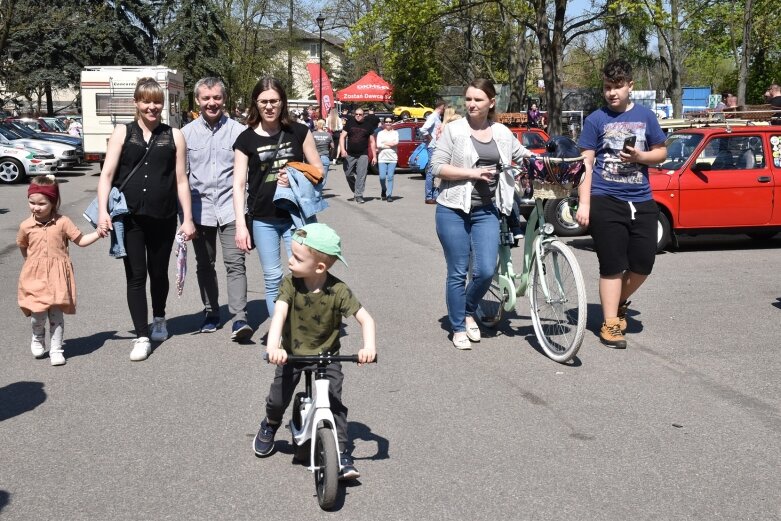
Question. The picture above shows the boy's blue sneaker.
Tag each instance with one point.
(241, 331)
(348, 469)
(210, 324)
(264, 441)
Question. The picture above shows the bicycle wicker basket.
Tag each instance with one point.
(550, 179)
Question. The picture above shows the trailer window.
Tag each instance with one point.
(108, 105)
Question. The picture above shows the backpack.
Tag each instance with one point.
(419, 157)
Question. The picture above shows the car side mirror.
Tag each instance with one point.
(701, 167)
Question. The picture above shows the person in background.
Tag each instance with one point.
(773, 97)
(151, 193)
(429, 132)
(533, 116)
(334, 125)
(210, 140)
(615, 195)
(387, 141)
(324, 142)
(355, 142)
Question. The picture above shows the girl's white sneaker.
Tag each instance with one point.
(57, 357)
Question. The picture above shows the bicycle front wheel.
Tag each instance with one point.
(491, 306)
(558, 302)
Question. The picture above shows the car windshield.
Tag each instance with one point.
(532, 140)
(10, 132)
(679, 148)
(23, 130)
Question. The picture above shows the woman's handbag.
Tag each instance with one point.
(116, 199)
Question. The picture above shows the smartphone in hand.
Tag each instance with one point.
(629, 142)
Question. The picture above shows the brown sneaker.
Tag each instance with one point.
(622, 314)
(611, 334)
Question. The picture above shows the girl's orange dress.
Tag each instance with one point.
(47, 280)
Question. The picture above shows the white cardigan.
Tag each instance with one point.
(455, 148)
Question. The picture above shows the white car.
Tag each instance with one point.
(18, 162)
(66, 154)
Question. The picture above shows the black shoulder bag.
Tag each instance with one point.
(254, 186)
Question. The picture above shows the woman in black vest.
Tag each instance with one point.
(151, 191)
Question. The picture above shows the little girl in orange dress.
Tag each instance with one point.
(47, 288)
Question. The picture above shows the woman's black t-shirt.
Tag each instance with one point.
(261, 174)
(152, 189)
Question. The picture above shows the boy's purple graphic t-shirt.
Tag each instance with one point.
(604, 132)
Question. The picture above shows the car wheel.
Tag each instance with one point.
(427, 114)
(559, 213)
(11, 171)
(663, 231)
(404, 115)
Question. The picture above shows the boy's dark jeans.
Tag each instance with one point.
(286, 378)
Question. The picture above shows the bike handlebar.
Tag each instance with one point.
(557, 159)
(321, 359)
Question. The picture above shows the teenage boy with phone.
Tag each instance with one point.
(619, 142)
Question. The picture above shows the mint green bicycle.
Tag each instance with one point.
(549, 271)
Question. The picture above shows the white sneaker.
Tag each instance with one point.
(159, 330)
(141, 349)
(37, 347)
(57, 357)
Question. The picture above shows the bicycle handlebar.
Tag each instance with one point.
(321, 359)
(557, 159)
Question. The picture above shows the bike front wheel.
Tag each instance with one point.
(558, 301)
(326, 467)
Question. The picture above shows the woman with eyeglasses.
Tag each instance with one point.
(387, 140)
(271, 140)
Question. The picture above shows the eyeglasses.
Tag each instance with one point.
(388, 121)
(272, 102)
(358, 114)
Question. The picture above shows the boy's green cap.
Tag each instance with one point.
(322, 238)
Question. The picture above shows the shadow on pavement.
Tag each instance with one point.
(359, 431)
(88, 344)
(18, 398)
(5, 498)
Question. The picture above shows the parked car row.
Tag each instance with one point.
(29, 153)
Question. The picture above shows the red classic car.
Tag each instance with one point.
(719, 180)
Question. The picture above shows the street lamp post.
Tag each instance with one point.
(320, 22)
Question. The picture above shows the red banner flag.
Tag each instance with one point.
(327, 103)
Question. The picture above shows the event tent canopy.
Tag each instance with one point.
(369, 88)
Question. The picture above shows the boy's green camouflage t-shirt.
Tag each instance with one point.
(314, 320)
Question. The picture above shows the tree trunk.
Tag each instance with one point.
(613, 31)
(49, 102)
(552, 57)
(517, 68)
(676, 89)
(746, 54)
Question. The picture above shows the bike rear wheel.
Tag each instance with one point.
(327, 467)
(560, 318)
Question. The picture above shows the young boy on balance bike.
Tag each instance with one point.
(307, 319)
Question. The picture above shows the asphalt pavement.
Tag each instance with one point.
(684, 424)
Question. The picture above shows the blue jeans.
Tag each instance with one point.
(431, 191)
(462, 234)
(386, 177)
(326, 165)
(267, 234)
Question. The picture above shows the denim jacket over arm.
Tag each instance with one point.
(210, 169)
(302, 199)
(455, 148)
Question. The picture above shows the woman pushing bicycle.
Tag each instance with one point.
(474, 190)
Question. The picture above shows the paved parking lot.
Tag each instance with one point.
(684, 424)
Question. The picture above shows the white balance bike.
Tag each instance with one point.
(312, 420)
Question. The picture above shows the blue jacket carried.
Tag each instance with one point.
(302, 199)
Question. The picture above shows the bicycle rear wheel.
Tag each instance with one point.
(560, 318)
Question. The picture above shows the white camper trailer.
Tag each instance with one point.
(107, 100)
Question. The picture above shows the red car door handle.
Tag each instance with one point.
(764, 179)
